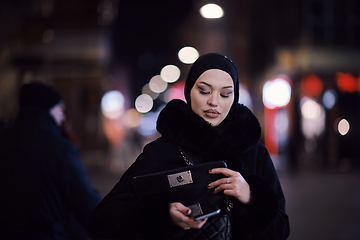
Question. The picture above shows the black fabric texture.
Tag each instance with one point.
(180, 124)
(214, 228)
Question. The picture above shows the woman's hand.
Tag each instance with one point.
(180, 216)
(234, 185)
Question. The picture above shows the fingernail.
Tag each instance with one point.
(210, 171)
(188, 212)
(208, 186)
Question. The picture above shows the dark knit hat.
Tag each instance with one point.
(39, 95)
(211, 61)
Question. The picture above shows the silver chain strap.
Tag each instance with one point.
(230, 204)
(185, 158)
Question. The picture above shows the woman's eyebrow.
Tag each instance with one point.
(211, 85)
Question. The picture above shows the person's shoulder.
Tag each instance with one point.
(161, 149)
(159, 143)
(260, 146)
(258, 150)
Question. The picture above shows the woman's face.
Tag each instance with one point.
(212, 96)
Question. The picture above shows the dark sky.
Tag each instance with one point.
(147, 26)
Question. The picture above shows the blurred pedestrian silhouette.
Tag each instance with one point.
(43, 182)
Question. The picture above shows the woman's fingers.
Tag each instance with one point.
(180, 216)
(233, 185)
(233, 177)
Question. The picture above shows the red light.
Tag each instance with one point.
(311, 85)
(347, 82)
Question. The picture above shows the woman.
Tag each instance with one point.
(211, 126)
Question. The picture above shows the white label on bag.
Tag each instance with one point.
(181, 178)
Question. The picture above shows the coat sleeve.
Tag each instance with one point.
(120, 216)
(75, 185)
(265, 218)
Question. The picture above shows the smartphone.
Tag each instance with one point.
(203, 210)
(207, 215)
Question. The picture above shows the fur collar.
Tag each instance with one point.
(236, 134)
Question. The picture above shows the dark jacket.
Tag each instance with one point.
(43, 182)
(234, 141)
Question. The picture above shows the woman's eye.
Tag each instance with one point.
(204, 93)
(226, 95)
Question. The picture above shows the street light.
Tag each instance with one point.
(211, 11)
(188, 55)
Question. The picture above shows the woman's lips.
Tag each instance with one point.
(211, 113)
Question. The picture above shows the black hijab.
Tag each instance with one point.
(211, 61)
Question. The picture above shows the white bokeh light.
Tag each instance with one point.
(146, 90)
(112, 104)
(244, 96)
(343, 127)
(188, 55)
(157, 84)
(310, 109)
(211, 11)
(144, 103)
(312, 118)
(276, 93)
(170, 73)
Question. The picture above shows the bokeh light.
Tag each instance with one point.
(310, 109)
(112, 104)
(170, 73)
(343, 127)
(313, 118)
(276, 93)
(146, 90)
(211, 11)
(311, 85)
(157, 84)
(148, 124)
(144, 103)
(329, 98)
(346, 82)
(244, 96)
(176, 91)
(188, 55)
(132, 118)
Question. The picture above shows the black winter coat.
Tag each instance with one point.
(43, 182)
(234, 141)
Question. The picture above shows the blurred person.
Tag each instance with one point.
(211, 126)
(68, 133)
(45, 191)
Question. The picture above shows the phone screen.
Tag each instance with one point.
(207, 215)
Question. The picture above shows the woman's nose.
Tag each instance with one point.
(213, 101)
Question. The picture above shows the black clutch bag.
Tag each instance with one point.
(188, 185)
